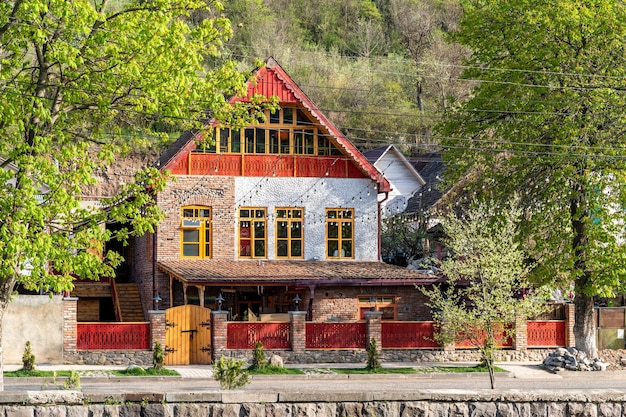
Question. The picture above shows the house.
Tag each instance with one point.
(283, 215)
(404, 180)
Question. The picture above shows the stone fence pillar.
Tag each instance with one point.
(374, 329)
(219, 336)
(70, 329)
(570, 340)
(520, 340)
(157, 327)
(297, 331)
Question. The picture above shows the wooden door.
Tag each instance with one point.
(187, 335)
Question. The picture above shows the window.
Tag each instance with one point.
(289, 233)
(340, 233)
(252, 232)
(196, 232)
(383, 303)
(287, 131)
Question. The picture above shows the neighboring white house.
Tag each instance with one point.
(404, 179)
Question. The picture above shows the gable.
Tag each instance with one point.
(329, 153)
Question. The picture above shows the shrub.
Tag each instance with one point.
(72, 381)
(258, 357)
(158, 358)
(372, 355)
(28, 358)
(230, 373)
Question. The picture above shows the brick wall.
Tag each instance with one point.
(70, 331)
(216, 192)
(341, 303)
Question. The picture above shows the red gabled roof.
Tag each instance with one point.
(272, 80)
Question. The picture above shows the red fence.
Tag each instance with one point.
(549, 333)
(244, 335)
(501, 339)
(113, 336)
(335, 335)
(408, 335)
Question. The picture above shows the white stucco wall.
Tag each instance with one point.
(315, 195)
(39, 319)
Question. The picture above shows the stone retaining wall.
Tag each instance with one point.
(109, 357)
(259, 404)
(395, 355)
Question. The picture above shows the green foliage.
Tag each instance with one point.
(158, 357)
(372, 355)
(230, 373)
(258, 357)
(72, 381)
(546, 121)
(28, 358)
(274, 370)
(139, 371)
(487, 279)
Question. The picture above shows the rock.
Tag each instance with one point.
(276, 361)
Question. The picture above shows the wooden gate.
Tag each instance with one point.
(187, 335)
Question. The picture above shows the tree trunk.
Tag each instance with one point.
(584, 325)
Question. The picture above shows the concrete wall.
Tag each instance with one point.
(39, 319)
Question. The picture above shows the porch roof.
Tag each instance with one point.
(289, 272)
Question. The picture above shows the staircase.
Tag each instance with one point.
(86, 289)
(129, 301)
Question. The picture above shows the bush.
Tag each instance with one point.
(230, 373)
(28, 358)
(258, 357)
(372, 355)
(72, 381)
(158, 358)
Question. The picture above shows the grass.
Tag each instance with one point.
(274, 370)
(21, 373)
(374, 370)
(138, 371)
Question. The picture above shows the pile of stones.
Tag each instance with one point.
(572, 359)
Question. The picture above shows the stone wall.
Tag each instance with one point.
(313, 404)
(141, 358)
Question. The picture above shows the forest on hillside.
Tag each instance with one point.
(381, 70)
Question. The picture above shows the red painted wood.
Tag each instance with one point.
(113, 336)
(335, 335)
(408, 335)
(505, 342)
(244, 335)
(546, 333)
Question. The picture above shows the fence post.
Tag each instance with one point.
(374, 328)
(70, 329)
(570, 340)
(297, 331)
(157, 327)
(520, 341)
(219, 335)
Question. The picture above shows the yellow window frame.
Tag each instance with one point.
(339, 246)
(291, 219)
(196, 218)
(252, 220)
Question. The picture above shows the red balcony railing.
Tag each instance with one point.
(113, 336)
(244, 335)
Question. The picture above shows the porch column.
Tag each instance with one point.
(374, 328)
(201, 295)
(157, 327)
(570, 340)
(297, 330)
(219, 333)
(70, 328)
(520, 340)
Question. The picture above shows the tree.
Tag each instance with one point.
(80, 80)
(547, 121)
(486, 280)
